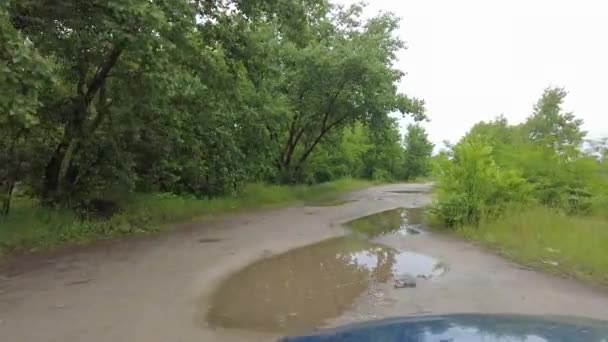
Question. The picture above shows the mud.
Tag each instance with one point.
(161, 287)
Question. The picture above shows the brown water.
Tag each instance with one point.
(400, 220)
(298, 290)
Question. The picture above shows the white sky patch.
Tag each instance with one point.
(472, 60)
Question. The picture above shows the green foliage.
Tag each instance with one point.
(472, 186)
(551, 127)
(33, 227)
(104, 105)
(418, 150)
(344, 74)
(360, 151)
(530, 191)
(543, 156)
(548, 239)
(23, 76)
(195, 98)
(384, 160)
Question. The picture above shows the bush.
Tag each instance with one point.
(471, 185)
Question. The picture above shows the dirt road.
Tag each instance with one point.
(159, 288)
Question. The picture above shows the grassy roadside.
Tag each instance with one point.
(30, 227)
(547, 239)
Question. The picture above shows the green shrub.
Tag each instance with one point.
(471, 185)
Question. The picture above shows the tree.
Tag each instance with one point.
(341, 154)
(23, 76)
(550, 126)
(96, 45)
(192, 97)
(342, 75)
(498, 132)
(418, 150)
(384, 160)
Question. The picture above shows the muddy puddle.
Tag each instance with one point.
(298, 290)
(402, 221)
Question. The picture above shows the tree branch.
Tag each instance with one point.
(324, 131)
(102, 72)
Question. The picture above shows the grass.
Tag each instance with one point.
(544, 238)
(30, 227)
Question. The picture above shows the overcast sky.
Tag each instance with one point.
(472, 60)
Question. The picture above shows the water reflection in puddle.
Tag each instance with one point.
(414, 264)
(296, 291)
(402, 221)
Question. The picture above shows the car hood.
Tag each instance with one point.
(466, 327)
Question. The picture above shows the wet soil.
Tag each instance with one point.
(164, 287)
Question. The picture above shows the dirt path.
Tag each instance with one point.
(158, 288)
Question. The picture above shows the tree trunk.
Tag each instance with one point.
(60, 172)
(6, 203)
(56, 183)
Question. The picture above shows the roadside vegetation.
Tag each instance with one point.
(536, 191)
(34, 227)
(117, 116)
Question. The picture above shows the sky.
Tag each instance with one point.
(471, 60)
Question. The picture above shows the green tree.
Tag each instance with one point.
(24, 74)
(98, 46)
(342, 75)
(538, 161)
(550, 126)
(418, 151)
(341, 154)
(498, 132)
(384, 160)
(472, 186)
(100, 98)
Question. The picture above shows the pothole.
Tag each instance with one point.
(298, 290)
(402, 221)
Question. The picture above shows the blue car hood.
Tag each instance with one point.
(466, 327)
